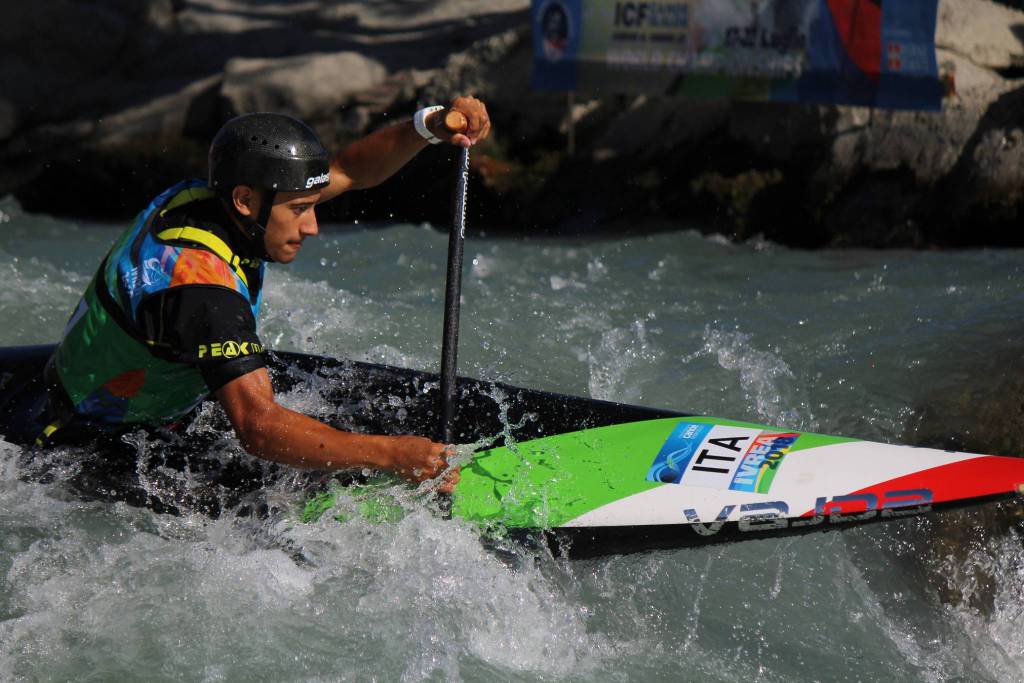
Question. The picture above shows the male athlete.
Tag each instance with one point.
(170, 316)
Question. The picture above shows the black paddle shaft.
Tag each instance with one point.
(452, 295)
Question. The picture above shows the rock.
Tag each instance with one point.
(165, 120)
(972, 86)
(737, 192)
(987, 34)
(997, 157)
(54, 65)
(649, 126)
(143, 102)
(984, 189)
(307, 86)
(432, 15)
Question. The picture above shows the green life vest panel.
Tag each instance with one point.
(109, 369)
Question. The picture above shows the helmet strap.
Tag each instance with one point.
(259, 226)
(266, 204)
(256, 229)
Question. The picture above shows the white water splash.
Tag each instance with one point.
(762, 375)
(616, 361)
(36, 299)
(9, 469)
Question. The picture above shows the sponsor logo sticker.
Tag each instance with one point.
(721, 457)
(761, 461)
(229, 349)
(317, 180)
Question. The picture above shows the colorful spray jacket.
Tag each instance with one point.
(108, 367)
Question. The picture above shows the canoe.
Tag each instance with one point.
(589, 477)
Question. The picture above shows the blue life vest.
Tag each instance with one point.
(109, 368)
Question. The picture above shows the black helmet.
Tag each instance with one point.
(267, 151)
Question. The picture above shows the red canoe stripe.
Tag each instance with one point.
(986, 475)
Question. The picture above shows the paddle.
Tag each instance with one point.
(455, 122)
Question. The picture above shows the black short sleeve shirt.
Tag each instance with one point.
(209, 326)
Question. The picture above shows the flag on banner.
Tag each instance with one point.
(876, 53)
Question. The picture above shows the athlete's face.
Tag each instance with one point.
(292, 219)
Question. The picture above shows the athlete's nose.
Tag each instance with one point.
(309, 228)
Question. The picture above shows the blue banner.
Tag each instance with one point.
(876, 53)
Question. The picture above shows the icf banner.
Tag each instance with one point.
(875, 53)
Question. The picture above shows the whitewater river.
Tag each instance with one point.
(864, 344)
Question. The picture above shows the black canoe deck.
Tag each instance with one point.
(350, 395)
(382, 399)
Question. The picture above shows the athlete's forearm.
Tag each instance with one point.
(371, 160)
(285, 436)
(273, 432)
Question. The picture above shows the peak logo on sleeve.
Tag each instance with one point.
(229, 349)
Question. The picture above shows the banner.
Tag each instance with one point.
(875, 53)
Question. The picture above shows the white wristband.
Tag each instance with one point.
(419, 122)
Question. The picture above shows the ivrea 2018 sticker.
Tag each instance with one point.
(721, 457)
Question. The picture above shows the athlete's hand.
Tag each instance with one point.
(478, 123)
(419, 459)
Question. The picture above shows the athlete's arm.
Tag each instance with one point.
(373, 159)
(273, 432)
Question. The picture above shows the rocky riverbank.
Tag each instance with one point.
(105, 103)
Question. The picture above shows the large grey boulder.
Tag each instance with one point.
(311, 87)
(987, 34)
(162, 121)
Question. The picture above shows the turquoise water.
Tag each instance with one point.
(878, 345)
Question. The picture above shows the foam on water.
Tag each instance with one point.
(117, 590)
(36, 297)
(764, 378)
(837, 342)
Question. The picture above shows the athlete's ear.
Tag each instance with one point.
(245, 201)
